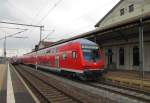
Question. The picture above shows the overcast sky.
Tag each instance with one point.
(61, 18)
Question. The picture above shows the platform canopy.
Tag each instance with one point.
(124, 32)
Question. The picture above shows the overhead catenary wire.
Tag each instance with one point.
(48, 35)
(74, 19)
(12, 28)
(38, 12)
(69, 33)
(20, 11)
(49, 11)
(11, 35)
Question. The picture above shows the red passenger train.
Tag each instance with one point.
(81, 58)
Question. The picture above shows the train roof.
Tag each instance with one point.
(81, 41)
(84, 41)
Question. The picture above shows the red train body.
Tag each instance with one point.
(81, 57)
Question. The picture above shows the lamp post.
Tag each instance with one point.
(5, 49)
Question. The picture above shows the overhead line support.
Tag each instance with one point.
(20, 24)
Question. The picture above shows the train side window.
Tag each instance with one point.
(56, 50)
(74, 54)
(48, 51)
(135, 56)
(121, 56)
(64, 56)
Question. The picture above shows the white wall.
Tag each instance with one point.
(1, 52)
(141, 7)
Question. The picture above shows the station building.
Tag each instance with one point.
(121, 45)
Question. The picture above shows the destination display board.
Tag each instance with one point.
(90, 47)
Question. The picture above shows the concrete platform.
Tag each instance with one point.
(129, 78)
(13, 88)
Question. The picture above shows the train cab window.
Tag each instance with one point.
(121, 56)
(91, 54)
(135, 56)
(64, 56)
(74, 54)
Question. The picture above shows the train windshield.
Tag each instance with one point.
(91, 53)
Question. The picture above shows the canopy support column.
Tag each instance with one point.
(141, 48)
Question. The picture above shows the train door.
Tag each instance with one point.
(57, 61)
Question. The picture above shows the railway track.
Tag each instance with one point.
(46, 92)
(142, 96)
(126, 87)
(139, 96)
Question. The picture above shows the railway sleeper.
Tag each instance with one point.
(56, 96)
(48, 94)
(60, 98)
(48, 89)
(52, 94)
(56, 92)
(66, 101)
(45, 90)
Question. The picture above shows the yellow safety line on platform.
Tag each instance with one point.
(10, 91)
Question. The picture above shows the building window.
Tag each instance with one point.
(131, 8)
(121, 56)
(64, 56)
(110, 54)
(122, 12)
(74, 55)
(135, 56)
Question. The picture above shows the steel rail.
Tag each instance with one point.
(55, 90)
